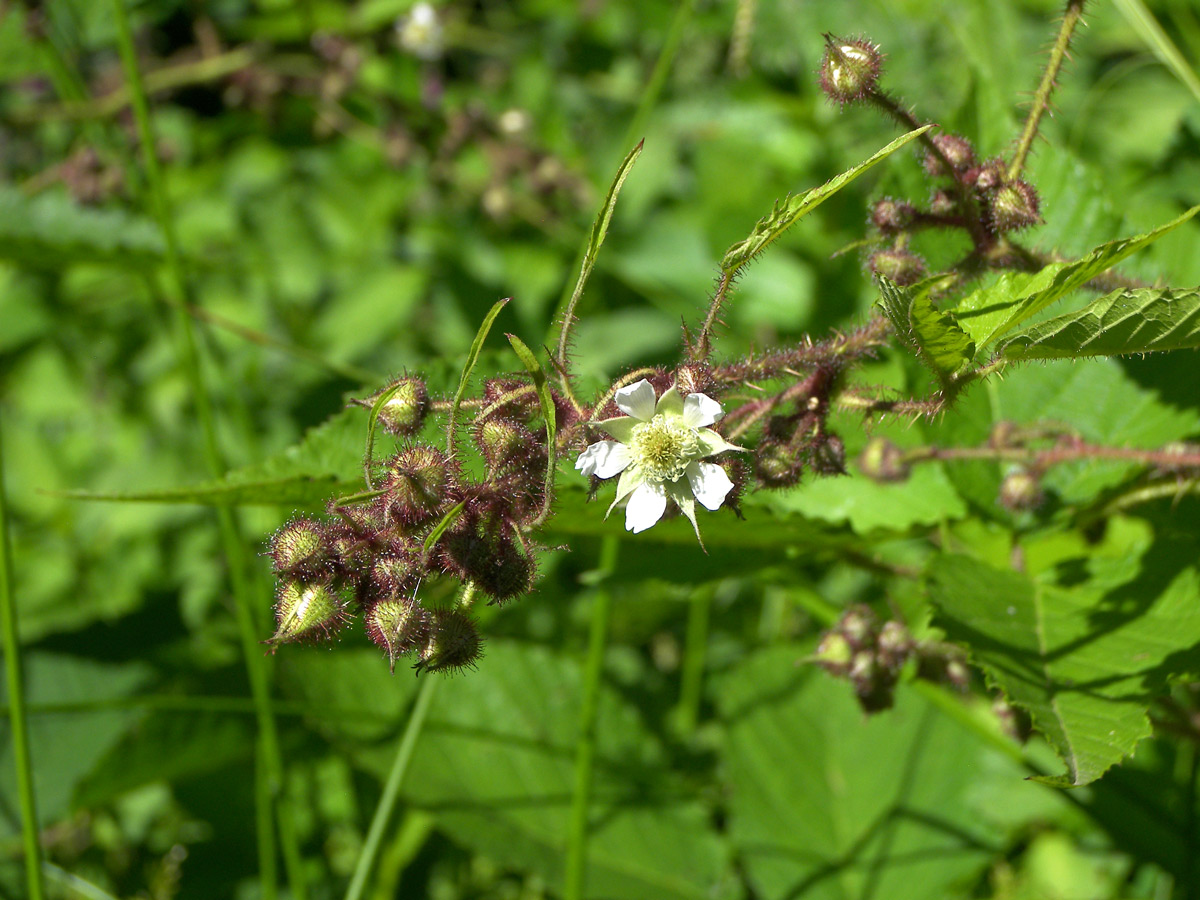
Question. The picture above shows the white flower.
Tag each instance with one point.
(657, 452)
(420, 32)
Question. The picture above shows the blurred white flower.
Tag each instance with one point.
(420, 32)
(657, 452)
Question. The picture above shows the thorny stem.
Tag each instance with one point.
(973, 223)
(1066, 451)
(1041, 100)
(703, 345)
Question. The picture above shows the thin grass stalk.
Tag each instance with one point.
(270, 767)
(585, 743)
(691, 688)
(391, 789)
(16, 703)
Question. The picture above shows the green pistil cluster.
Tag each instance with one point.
(664, 447)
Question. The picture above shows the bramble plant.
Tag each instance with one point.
(817, 576)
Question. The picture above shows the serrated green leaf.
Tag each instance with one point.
(1067, 277)
(791, 209)
(1085, 662)
(49, 231)
(827, 804)
(496, 767)
(1125, 321)
(933, 335)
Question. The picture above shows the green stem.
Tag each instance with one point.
(270, 768)
(16, 703)
(694, 653)
(1041, 100)
(585, 745)
(391, 789)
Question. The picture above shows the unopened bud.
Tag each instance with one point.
(895, 644)
(504, 442)
(299, 547)
(849, 69)
(988, 176)
(776, 466)
(453, 643)
(1020, 491)
(898, 266)
(693, 378)
(1013, 206)
(955, 148)
(417, 483)
(829, 456)
(834, 653)
(512, 398)
(891, 216)
(399, 626)
(404, 411)
(883, 461)
(858, 626)
(943, 204)
(504, 570)
(307, 610)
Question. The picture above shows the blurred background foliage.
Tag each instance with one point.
(350, 203)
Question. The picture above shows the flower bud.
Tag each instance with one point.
(417, 483)
(898, 266)
(394, 574)
(988, 176)
(399, 626)
(504, 442)
(834, 653)
(1013, 206)
(955, 148)
(512, 398)
(883, 461)
(306, 610)
(453, 643)
(300, 547)
(776, 465)
(895, 645)
(891, 216)
(941, 203)
(849, 69)
(858, 626)
(694, 378)
(1020, 491)
(829, 456)
(404, 412)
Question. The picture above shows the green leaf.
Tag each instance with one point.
(933, 335)
(1125, 321)
(791, 209)
(1085, 660)
(496, 766)
(50, 231)
(827, 803)
(1063, 278)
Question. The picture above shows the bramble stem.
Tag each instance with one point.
(270, 771)
(1041, 100)
(16, 704)
(585, 744)
(703, 345)
(391, 789)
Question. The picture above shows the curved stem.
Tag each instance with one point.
(16, 704)
(391, 789)
(585, 745)
(1041, 100)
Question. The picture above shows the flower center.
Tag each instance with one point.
(663, 447)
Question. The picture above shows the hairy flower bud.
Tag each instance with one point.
(957, 150)
(898, 266)
(776, 465)
(828, 457)
(300, 548)
(1020, 491)
(834, 653)
(883, 461)
(858, 626)
(417, 483)
(399, 626)
(694, 378)
(942, 203)
(511, 398)
(404, 412)
(305, 610)
(892, 216)
(895, 645)
(988, 176)
(504, 442)
(1013, 206)
(850, 68)
(453, 643)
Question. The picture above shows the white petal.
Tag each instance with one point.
(646, 505)
(604, 459)
(700, 410)
(709, 483)
(637, 400)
